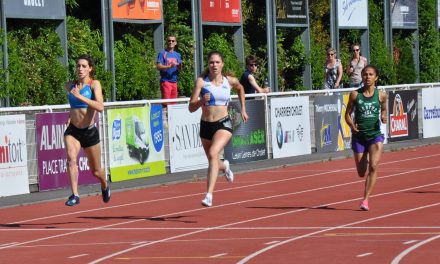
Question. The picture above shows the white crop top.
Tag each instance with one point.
(220, 95)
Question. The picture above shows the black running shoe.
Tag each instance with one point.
(72, 200)
(106, 194)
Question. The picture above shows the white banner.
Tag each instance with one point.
(186, 150)
(431, 112)
(13, 156)
(352, 13)
(290, 126)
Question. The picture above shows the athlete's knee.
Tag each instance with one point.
(71, 164)
(373, 167)
(97, 172)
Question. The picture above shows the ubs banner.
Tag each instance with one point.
(13, 156)
(137, 9)
(326, 123)
(403, 119)
(292, 12)
(227, 11)
(431, 112)
(51, 153)
(248, 141)
(404, 13)
(290, 121)
(136, 143)
(186, 149)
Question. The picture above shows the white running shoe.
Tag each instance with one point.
(228, 173)
(208, 200)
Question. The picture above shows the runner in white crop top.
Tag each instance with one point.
(220, 95)
(211, 93)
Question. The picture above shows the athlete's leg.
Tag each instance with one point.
(361, 161)
(72, 148)
(219, 141)
(375, 153)
(94, 160)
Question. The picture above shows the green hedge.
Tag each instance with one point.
(37, 77)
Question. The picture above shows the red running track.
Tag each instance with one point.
(300, 214)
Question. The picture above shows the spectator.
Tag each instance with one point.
(332, 70)
(354, 68)
(169, 63)
(247, 78)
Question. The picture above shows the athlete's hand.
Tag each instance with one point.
(354, 129)
(244, 116)
(205, 98)
(75, 91)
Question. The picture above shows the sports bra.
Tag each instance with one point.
(86, 91)
(220, 95)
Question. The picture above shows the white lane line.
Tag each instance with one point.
(410, 242)
(261, 218)
(399, 257)
(8, 244)
(253, 255)
(224, 190)
(78, 256)
(219, 255)
(364, 255)
(271, 242)
(126, 229)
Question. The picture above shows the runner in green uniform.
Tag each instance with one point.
(370, 108)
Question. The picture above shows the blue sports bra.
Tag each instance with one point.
(220, 95)
(86, 91)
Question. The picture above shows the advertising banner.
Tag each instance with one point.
(248, 141)
(326, 122)
(352, 13)
(13, 156)
(431, 112)
(137, 9)
(344, 131)
(136, 142)
(403, 119)
(51, 153)
(292, 12)
(35, 9)
(225, 11)
(404, 13)
(186, 149)
(290, 126)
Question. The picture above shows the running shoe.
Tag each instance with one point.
(228, 173)
(106, 194)
(72, 200)
(364, 205)
(208, 200)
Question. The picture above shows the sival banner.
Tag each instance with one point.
(136, 142)
(226, 11)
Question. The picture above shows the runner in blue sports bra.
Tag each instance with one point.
(212, 93)
(86, 91)
(85, 98)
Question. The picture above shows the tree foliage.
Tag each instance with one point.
(36, 75)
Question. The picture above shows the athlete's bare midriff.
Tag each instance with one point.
(82, 117)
